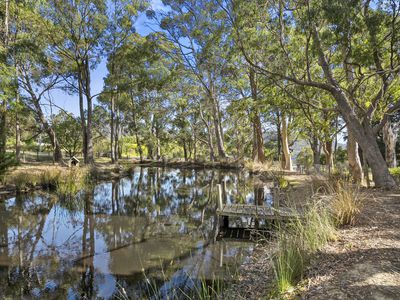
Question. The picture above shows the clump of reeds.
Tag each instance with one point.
(303, 236)
(72, 181)
(298, 240)
(346, 203)
(50, 177)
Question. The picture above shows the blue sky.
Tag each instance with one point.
(70, 103)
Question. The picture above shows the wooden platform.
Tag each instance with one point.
(257, 212)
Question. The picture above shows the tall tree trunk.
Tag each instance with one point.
(278, 135)
(194, 143)
(185, 155)
(112, 129)
(3, 104)
(355, 166)
(209, 136)
(17, 138)
(217, 129)
(89, 141)
(390, 137)
(158, 141)
(363, 131)
(82, 112)
(116, 136)
(219, 136)
(258, 141)
(285, 144)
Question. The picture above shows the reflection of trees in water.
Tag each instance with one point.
(88, 246)
(154, 202)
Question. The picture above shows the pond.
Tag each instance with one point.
(149, 235)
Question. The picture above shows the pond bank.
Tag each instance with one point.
(105, 170)
(363, 263)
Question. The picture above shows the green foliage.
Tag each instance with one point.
(395, 172)
(7, 161)
(341, 154)
(305, 157)
(68, 132)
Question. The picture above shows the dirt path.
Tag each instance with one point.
(365, 262)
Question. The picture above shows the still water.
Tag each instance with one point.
(151, 234)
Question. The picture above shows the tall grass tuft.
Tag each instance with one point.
(288, 262)
(298, 240)
(49, 177)
(72, 181)
(346, 203)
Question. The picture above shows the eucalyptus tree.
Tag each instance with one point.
(142, 78)
(122, 15)
(327, 36)
(200, 36)
(77, 29)
(37, 72)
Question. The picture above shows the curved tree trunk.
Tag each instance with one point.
(41, 118)
(390, 138)
(355, 166)
(363, 131)
(285, 144)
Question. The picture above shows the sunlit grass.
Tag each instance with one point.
(346, 203)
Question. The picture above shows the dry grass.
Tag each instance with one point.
(52, 177)
(258, 167)
(346, 203)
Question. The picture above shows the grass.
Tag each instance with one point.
(200, 289)
(63, 180)
(258, 167)
(73, 181)
(347, 202)
(298, 240)
(302, 237)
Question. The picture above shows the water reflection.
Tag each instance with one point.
(158, 226)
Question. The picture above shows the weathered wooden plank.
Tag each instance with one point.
(256, 211)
